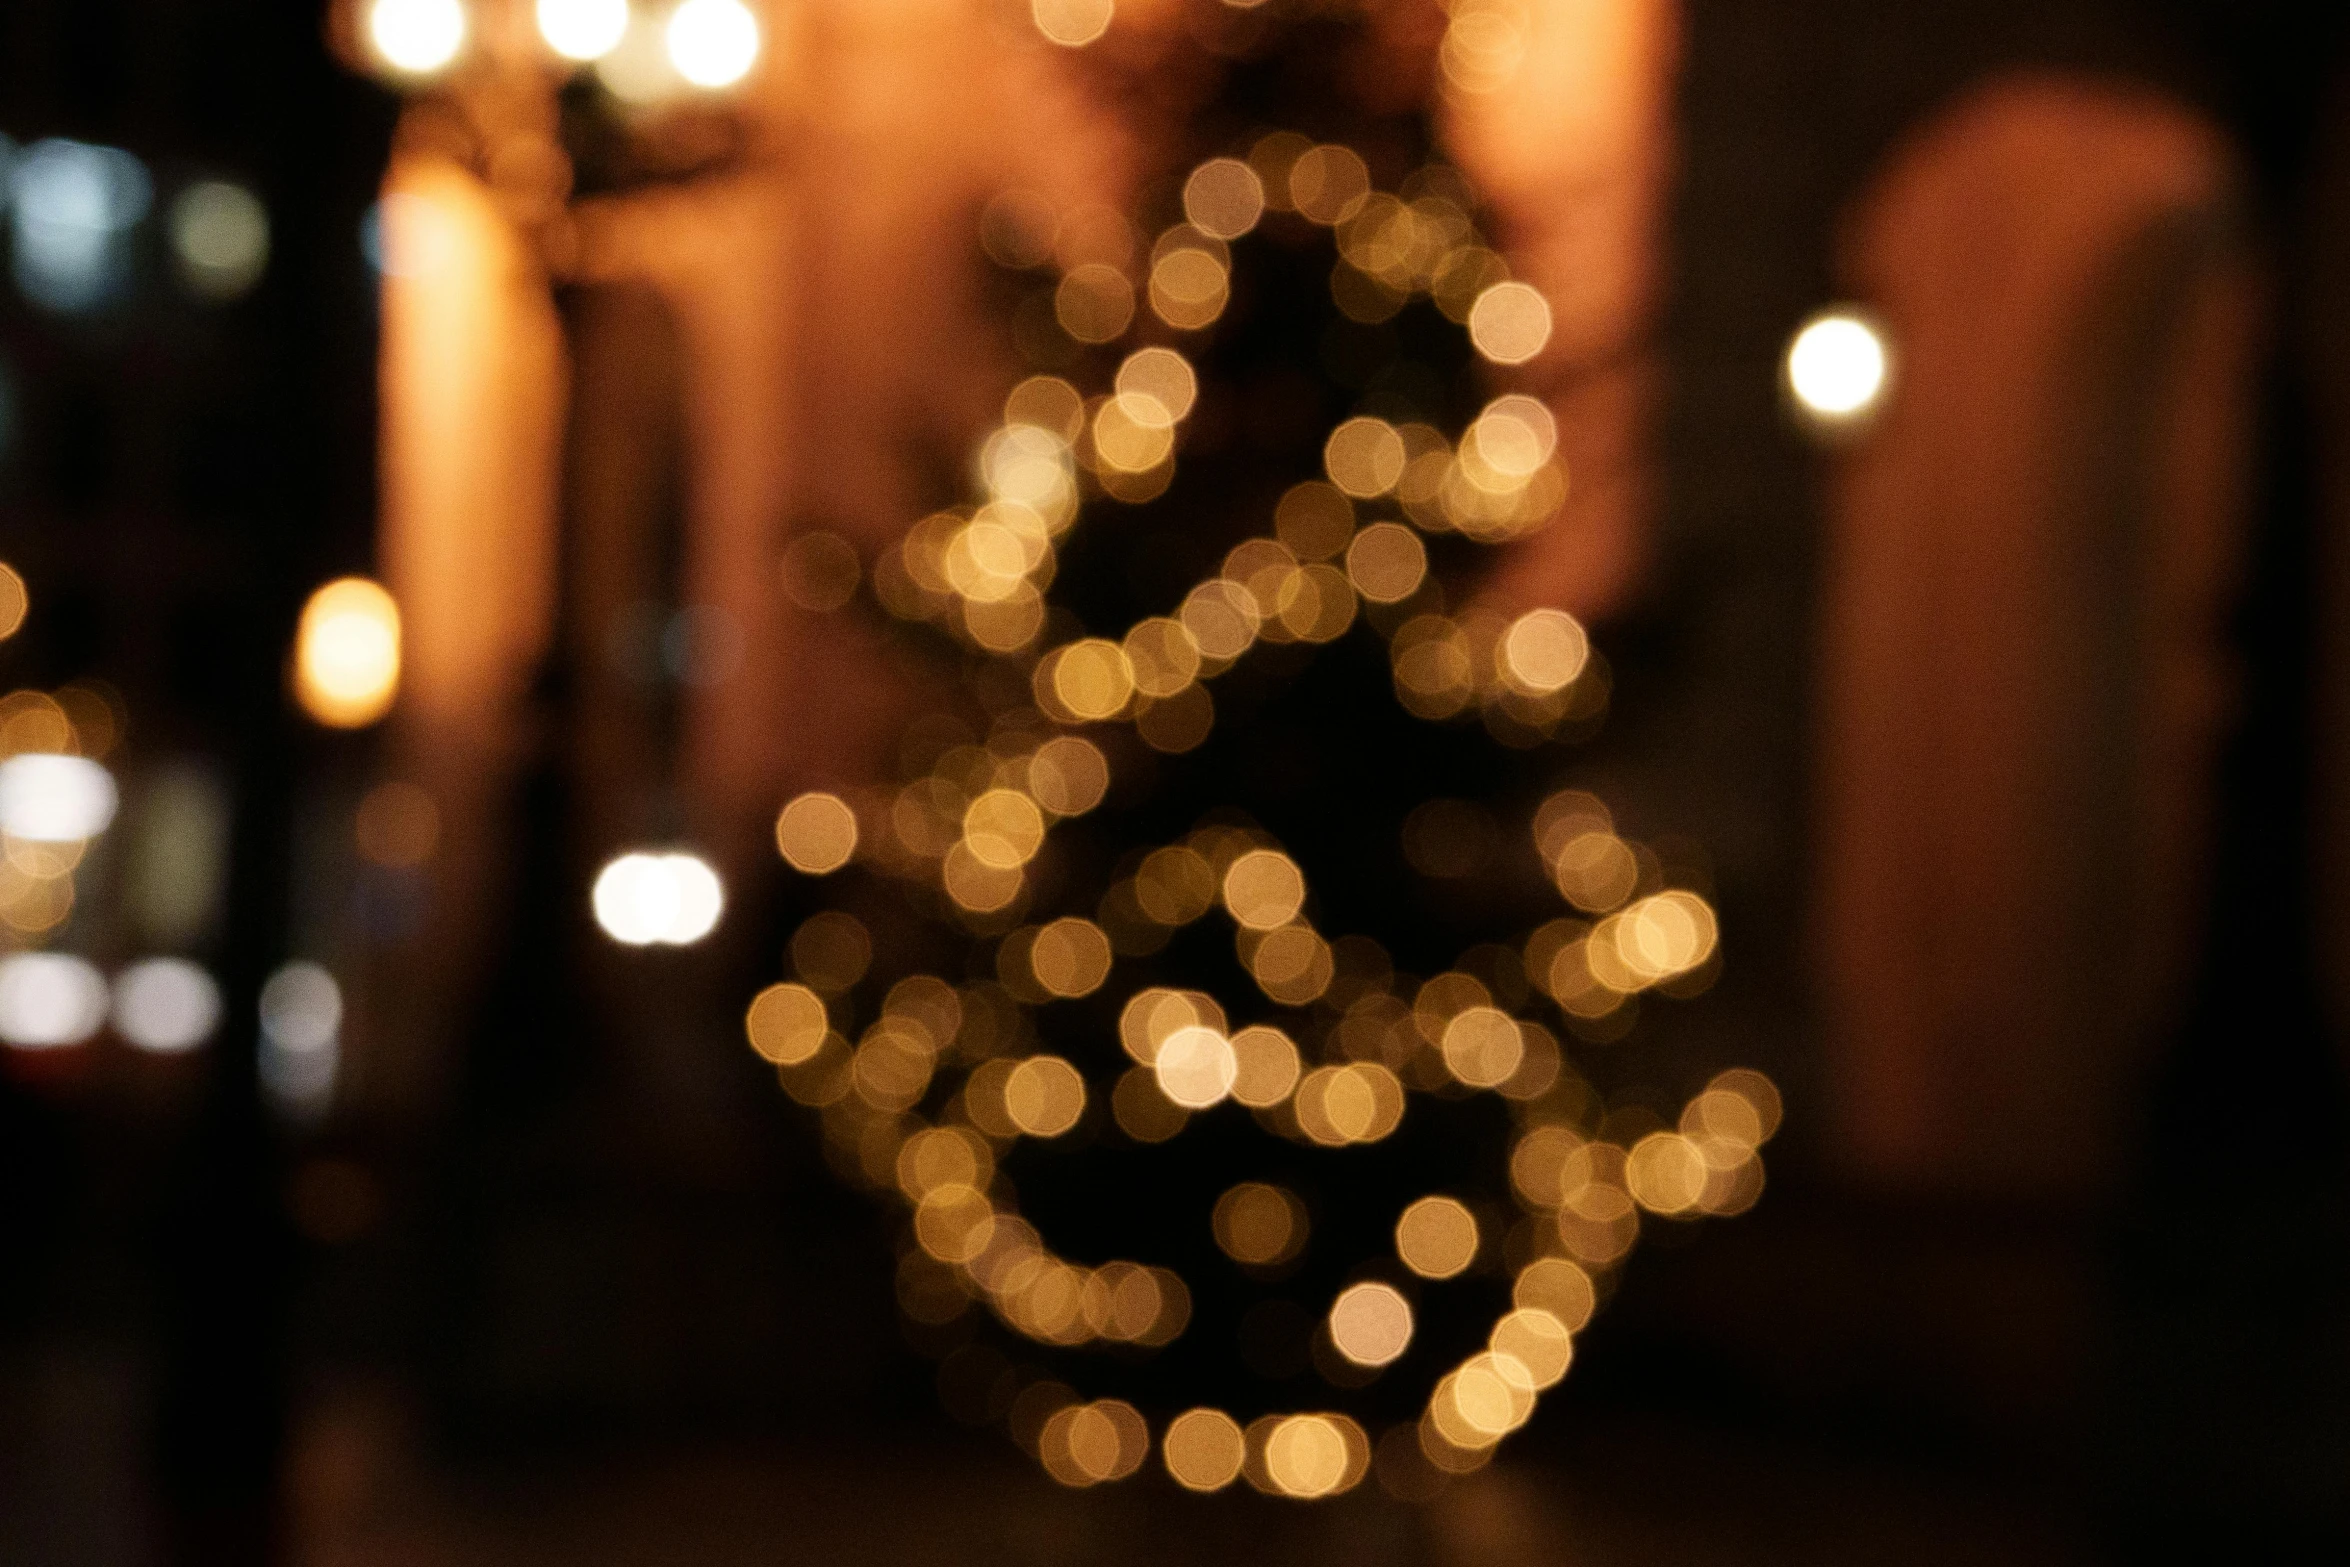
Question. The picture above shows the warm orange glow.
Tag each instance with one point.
(1003, 829)
(1543, 651)
(1094, 303)
(787, 1024)
(347, 653)
(1436, 1237)
(816, 833)
(1072, 23)
(831, 951)
(1223, 198)
(1196, 1067)
(1315, 520)
(1484, 46)
(15, 602)
(1189, 286)
(1306, 1456)
(1364, 457)
(397, 825)
(1292, 964)
(1559, 1287)
(1328, 184)
(1666, 1173)
(1386, 563)
(1482, 1047)
(1260, 1225)
(1203, 1449)
(1337, 1105)
(1263, 889)
(1070, 957)
(1091, 678)
(1142, 1110)
(1044, 1096)
(1536, 1340)
(1510, 323)
(1266, 1069)
(1371, 1324)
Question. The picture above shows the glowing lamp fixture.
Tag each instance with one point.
(47, 798)
(583, 30)
(1838, 368)
(670, 900)
(347, 653)
(417, 37)
(713, 43)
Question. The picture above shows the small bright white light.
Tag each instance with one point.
(46, 798)
(583, 29)
(1837, 366)
(301, 1039)
(301, 1008)
(672, 900)
(713, 43)
(221, 235)
(73, 202)
(166, 1005)
(48, 999)
(416, 35)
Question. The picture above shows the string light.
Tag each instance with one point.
(932, 1099)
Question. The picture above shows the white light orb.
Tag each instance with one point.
(416, 36)
(165, 1005)
(47, 798)
(1838, 367)
(220, 233)
(713, 43)
(644, 899)
(301, 1039)
(583, 30)
(48, 1000)
(301, 1008)
(73, 203)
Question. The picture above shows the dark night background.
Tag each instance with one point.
(224, 1339)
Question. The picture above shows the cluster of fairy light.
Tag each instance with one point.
(56, 796)
(1346, 545)
(932, 1095)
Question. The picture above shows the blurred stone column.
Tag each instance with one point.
(2030, 558)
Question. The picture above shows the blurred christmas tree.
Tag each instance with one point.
(1221, 989)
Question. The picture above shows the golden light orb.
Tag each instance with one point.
(1436, 1237)
(347, 653)
(1371, 1324)
(816, 833)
